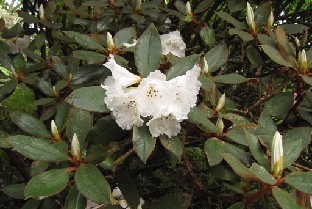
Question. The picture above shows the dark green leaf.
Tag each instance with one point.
(199, 116)
(262, 174)
(84, 40)
(182, 66)
(37, 149)
(297, 134)
(245, 36)
(238, 205)
(30, 124)
(279, 105)
(98, 153)
(203, 6)
(275, 55)
(237, 135)
(31, 204)
(8, 86)
(174, 145)
(292, 150)
(216, 57)
(301, 181)
(89, 56)
(92, 184)
(45, 87)
(238, 167)
(47, 183)
(284, 199)
(254, 56)
(12, 32)
(214, 150)
(232, 20)
(236, 5)
(148, 51)
(38, 167)
(125, 35)
(75, 200)
(88, 98)
(143, 142)
(128, 189)
(223, 172)
(14, 190)
(105, 131)
(208, 36)
(231, 78)
(294, 28)
(262, 14)
(62, 113)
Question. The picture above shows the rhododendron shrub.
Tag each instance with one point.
(153, 104)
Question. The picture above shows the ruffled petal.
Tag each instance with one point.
(168, 125)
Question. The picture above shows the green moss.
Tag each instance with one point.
(197, 157)
(22, 99)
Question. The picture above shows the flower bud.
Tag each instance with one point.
(250, 18)
(54, 131)
(75, 148)
(220, 126)
(277, 158)
(204, 65)
(138, 5)
(270, 20)
(221, 103)
(303, 63)
(110, 42)
(56, 94)
(188, 9)
(41, 12)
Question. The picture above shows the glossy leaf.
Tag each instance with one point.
(307, 80)
(182, 66)
(37, 149)
(174, 145)
(279, 105)
(88, 98)
(199, 116)
(14, 190)
(30, 124)
(231, 78)
(292, 150)
(245, 36)
(232, 20)
(89, 56)
(48, 183)
(207, 34)
(84, 40)
(91, 183)
(254, 56)
(125, 35)
(216, 57)
(75, 200)
(297, 134)
(148, 51)
(262, 174)
(275, 55)
(143, 142)
(238, 167)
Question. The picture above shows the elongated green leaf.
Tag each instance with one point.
(88, 98)
(174, 145)
(232, 20)
(31, 204)
(245, 36)
(297, 134)
(301, 181)
(262, 14)
(14, 190)
(182, 66)
(199, 116)
(143, 142)
(172, 201)
(38, 167)
(275, 55)
(105, 130)
(90, 57)
(292, 150)
(37, 149)
(48, 183)
(30, 124)
(92, 184)
(307, 79)
(238, 167)
(84, 40)
(148, 51)
(79, 122)
(214, 150)
(279, 105)
(262, 174)
(75, 200)
(284, 199)
(257, 152)
(208, 36)
(294, 28)
(231, 78)
(254, 56)
(216, 57)
(128, 189)
(125, 35)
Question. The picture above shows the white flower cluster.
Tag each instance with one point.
(164, 103)
(17, 44)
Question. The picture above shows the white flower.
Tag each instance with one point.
(173, 43)
(168, 21)
(168, 125)
(277, 158)
(127, 45)
(154, 95)
(186, 89)
(250, 18)
(122, 76)
(17, 44)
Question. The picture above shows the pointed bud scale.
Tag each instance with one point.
(110, 42)
(303, 63)
(188, 9)
(54, 131)
(270, 20)
(75, 148)
(297, 42)
(220, 126)
(204, 65)
(221, 103)
(277, 158)
(41, 12)
(250, 18)
(138, 5)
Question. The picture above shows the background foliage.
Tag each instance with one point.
(58, 77)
